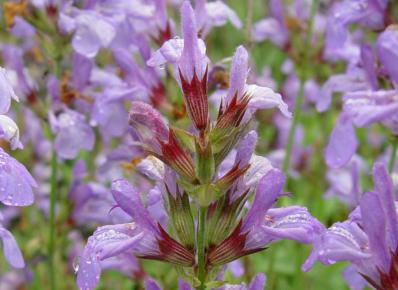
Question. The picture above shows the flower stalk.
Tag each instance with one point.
(202, 248)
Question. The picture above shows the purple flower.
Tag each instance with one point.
(9, 131)
(142, 237)
(72, 134)
(11, 250)
(256, 97)
(353, 80)
(151, 284)
(171, 52)
(361, 108)
(162, 141)
(192, 67)
(92, 32)
(15, 182)
(214, 14)
(13, 59)
(273, 28)
(82, 67)
(25, 31)
(263, 225)
(368, 13)
(125, 263)
(342, 143)
(369, 239)
(6, 92)
(345, 182)
(385, 45)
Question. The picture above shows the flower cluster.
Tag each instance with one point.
(201, 174)
(193, 136)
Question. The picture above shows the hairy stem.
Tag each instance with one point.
(300, 97)
(201, 248)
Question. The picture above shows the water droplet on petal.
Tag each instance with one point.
(75, 264)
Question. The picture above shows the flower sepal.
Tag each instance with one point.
(181, 218)
(224, 140)
(205, 166)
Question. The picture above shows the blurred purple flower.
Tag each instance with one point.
(385, 45)
(11, 250)
(367, 13)
(142, 238)
(9, 131)
(16, 183)
(72, 133)
(345, 182)
(273, 28)
(214, 14)
(6, 92)
(369, 239)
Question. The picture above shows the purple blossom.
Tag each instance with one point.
(214, 14)
(72, 134)
(259, 97)
(6, 92)
(263, 225)
(345, 182)
(388, 55)
(141, 237)
(342, 143)
(9, 131)
(11, 250)
(369, 239)
(15, 182)
(13, 57)
(273, 28)
(367, 13)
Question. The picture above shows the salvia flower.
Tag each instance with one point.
(11, 250)
(368, 239)
(16, 183)
(72, 133)
(6, 92)
(387, 54)
(214, 13)
(192, 68)
(161, 140)
(142, 237)
(361, 109)
(210, 170)
(9, 131)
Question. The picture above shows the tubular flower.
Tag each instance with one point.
(16, 183)
(142, 238)
(210, 171)
(368, 239)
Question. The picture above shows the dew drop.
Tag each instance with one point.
(75, 264)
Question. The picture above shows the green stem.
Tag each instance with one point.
(393, 156)
(201, 248)
(52, 234)
(300, 97)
